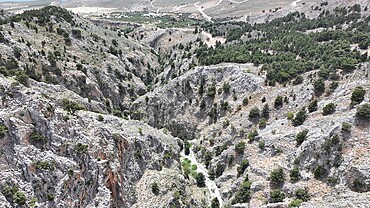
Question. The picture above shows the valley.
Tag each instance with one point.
(197, 103)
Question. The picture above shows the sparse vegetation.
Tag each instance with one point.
(277, 196)
(328, 109)
(277, 177)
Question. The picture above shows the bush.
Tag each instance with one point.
(302, 194)
(19, 198)
(37, 138)
(301, 136)
(363, 112)
(215, 203)
(71, 106)
(294, 175)
(254, 113)
(319, 86)
(261, 144)
(328, 109)
(295, 203)
(252, 135)
(22, 77)
(243, 194)
(100, 118)
(239, 148)
(300, 117)
(290, 115)
(3, 130)
(277, 196)
(278, 101)
(346, 127)
(211, 90)
(243, 165)
(245, 101)
(201, 180)
(298, 80)
(312, 106)
(81, 148)
(155, 188)
(226, 87)
(320, 172)
(358, 95)
(277, 177)
(265, 111)
(262, 123)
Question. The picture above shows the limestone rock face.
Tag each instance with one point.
(78, 159)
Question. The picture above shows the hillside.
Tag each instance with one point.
(181, 112)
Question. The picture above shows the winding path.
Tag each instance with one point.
(210, 184)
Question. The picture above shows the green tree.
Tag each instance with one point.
(312, 106)
(319, 86)
(239, 148)
(301, 136)
(363, 112)
(300, 117)
(302, 194)
(155, 188)
(19, 198)
(277, 177)
(278, 101)
(328, 109)
(254, 113)
(294, 175)
(277, 196)
(244, 193)
(358, 95)
(201, 180)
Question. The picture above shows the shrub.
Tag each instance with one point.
(294, 175)
(22, 77)
(278, 101)
(245, 101)
(254, 113)
(19, 198)
(239, 148)
(81, 148)
(44, 165)
(328, 109)
(261, 144)
(320, 172)
(298, 80)
(262, 123)
(290, 115)
(312, 106)
(252, 135)
(302, 194)
(37, 138)
(363, 112)
(346, 127)
(243, 194)
(319, 86)
(211, 90)
(226, 87)
(277, 177)
(71, 106)
(201, 180)
(215, 203)
(277, 196)
(265, 111)
(3, 130)
(243, 165)
(300, 117)
(100, 118)
(295, 203)
(301, 136)
(155, 188)
(358, 95)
